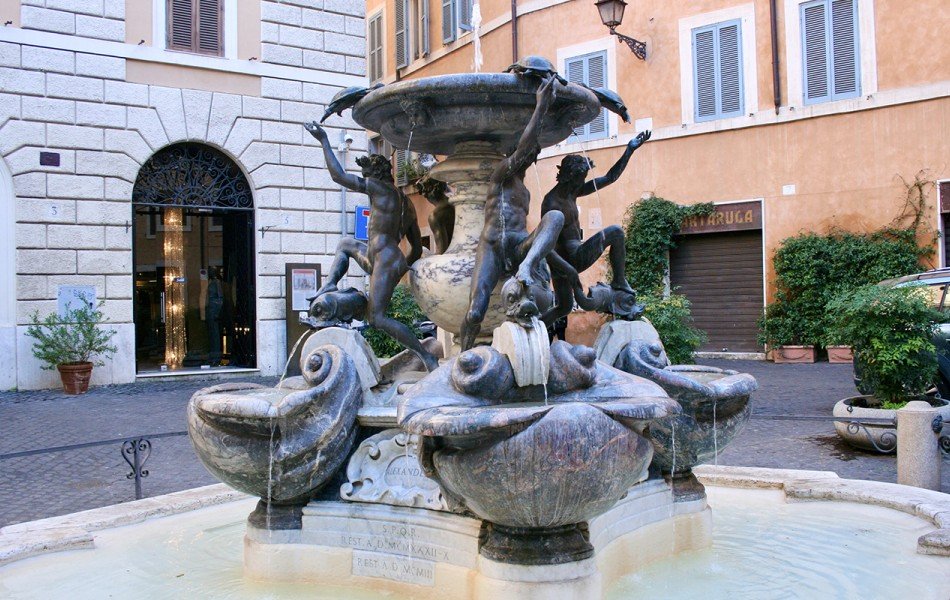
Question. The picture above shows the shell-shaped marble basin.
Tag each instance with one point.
(443, 110)
(716, 406)
(278, 444)
(520, 458)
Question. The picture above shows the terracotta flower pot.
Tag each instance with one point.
(840, 354)
(75, 377)
(793, 354)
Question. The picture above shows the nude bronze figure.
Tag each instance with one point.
(442, 218)
(571, 184)
(505, 247)
(392, 217)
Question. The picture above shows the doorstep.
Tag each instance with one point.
(215, 373)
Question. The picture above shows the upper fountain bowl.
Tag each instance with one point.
(445, 110)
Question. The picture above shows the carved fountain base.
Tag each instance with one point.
(432, 554)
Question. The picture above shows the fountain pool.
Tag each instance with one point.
(762, 547)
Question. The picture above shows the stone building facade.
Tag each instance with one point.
(789, 115)
(90, 90)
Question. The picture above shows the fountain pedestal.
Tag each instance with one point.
(441, 282)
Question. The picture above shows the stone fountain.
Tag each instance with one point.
(509, 467)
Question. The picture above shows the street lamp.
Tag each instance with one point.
(611, 15)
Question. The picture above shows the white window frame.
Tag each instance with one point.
(606, 44)
(160, 23)
(794, 65)
(382, 67)
(745, 14)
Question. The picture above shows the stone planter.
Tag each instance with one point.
(793, 354)
(75, 377)
(884, 435)
(840, 354)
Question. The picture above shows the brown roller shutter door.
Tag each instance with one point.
(721, 275)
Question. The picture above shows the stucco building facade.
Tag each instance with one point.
(98, 98)
(790, 115)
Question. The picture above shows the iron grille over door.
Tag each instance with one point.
(196, 26)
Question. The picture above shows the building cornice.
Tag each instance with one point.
(155, 55)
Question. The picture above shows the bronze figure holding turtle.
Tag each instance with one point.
(505, 247)
(392, 217)
(571, 184)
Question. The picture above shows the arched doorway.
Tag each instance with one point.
(194, 298)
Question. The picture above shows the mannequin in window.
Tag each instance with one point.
(214, 307)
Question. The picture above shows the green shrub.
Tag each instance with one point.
(891, 330)
(404, 309)
(812, 269)
(649, 226)
(77, 337)
(672, 319)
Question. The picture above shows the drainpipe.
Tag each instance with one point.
(514, 31)
(345, 141)
(776, 83)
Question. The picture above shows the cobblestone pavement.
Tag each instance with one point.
(53, 483)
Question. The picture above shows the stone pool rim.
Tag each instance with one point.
(77, 530)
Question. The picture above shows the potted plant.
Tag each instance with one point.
(891, 330)
(783, 330)
(72, 343)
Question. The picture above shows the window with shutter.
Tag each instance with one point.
(830, 50)
(590, 70)
(195, 26)
(402, 159)
(465, 14)
(374, 55)
(448, 21)
(424, 27)
(717, 71)
(402, 38)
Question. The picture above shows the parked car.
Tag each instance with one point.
(937, 282)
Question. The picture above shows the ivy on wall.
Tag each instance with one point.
(650, 226)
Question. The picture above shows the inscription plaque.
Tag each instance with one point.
(397, 568)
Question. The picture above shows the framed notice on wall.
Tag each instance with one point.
(302, 280)
(303, 285)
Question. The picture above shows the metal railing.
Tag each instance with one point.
(135, 451)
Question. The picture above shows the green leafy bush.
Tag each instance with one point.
(76, 338)
(812, 269)
(404, 309)
(891, 330)
(673, 321)
(649, 226)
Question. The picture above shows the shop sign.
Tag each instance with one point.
(739, 216)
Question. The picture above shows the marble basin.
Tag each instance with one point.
(716, 406)
(535, 465)
(445, 110)
(279, 444)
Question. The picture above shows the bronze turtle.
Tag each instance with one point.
(535, 66)
(347, 98)
(612, 101)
